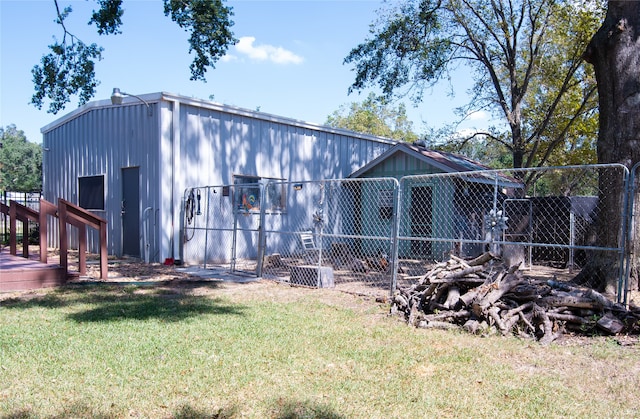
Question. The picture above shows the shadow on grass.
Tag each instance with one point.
(74, 410)
(188, 412)
(284, 409)
(291, 409)
(108, 303)
(81, 410)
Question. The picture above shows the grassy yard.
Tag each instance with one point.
(264, 350)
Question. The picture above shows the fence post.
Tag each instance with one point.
(630, 248)
(394, 236)
(262, 239)
(627, 209)
(46, 209)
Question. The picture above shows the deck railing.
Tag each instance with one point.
(67, 213)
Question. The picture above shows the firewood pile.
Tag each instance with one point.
(484, 295)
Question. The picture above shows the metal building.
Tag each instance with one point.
(131, 161)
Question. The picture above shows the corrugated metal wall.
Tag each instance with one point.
(187, 143)
(103, 141)
(215, 145)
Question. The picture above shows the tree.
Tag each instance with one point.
(20, 162)
(69, 68)
(525, 58)
(490, 153)
(374, 116)
(614, 52)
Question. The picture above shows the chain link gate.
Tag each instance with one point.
(221, 227)
(366, 235)
(633, 236)
(331, 233)
(531, 217)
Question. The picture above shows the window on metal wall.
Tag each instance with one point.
(385, 203)
(248, 197)
(91, 192)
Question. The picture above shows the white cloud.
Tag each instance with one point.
(278, 55)
(478, 116)
(228, 58)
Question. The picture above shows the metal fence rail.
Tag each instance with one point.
(372, 233)
(633, 231)
(549, 220)
(332, 232)
(221, 226)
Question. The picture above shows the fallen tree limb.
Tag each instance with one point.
(479, 298)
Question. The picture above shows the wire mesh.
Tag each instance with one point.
(331, 233)
(221, 227)
(366, 235)
(528, 216)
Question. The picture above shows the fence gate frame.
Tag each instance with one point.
(444, 238)
(467, 216)
(632, 220)
(225, 223)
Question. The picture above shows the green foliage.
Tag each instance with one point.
(374, 116)
(69, 68)
(481, 149)
(525, 57)
(109, 17)
(411, 46)
(210, 24)
(20, 162)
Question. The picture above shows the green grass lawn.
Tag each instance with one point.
(265, 350)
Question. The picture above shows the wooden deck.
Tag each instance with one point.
(19, 274)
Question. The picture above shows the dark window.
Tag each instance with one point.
(91, 192)
(385, 203)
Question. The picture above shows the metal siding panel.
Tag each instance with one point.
(221, 174)
(99, 142)
(212, 144)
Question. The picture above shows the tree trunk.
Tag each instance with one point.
(614, 52)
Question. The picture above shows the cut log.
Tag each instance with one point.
(480, 295)
(506, 285)
(462, 275)
(610, 324)
(448, 315)
(569, 301)
(453, 296)
(482, 259)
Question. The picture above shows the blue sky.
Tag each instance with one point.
(289, 61)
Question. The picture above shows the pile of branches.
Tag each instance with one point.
(483, 295)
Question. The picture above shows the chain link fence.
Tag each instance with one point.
(533, 217)
(366, 235)
(633, 264)
(331, 233)
(221, 227)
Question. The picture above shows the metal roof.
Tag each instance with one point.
(446, 162)
(151, 98)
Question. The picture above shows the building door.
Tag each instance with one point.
(131, 211)
(421, 220)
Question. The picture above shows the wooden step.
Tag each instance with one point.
(20, 274)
